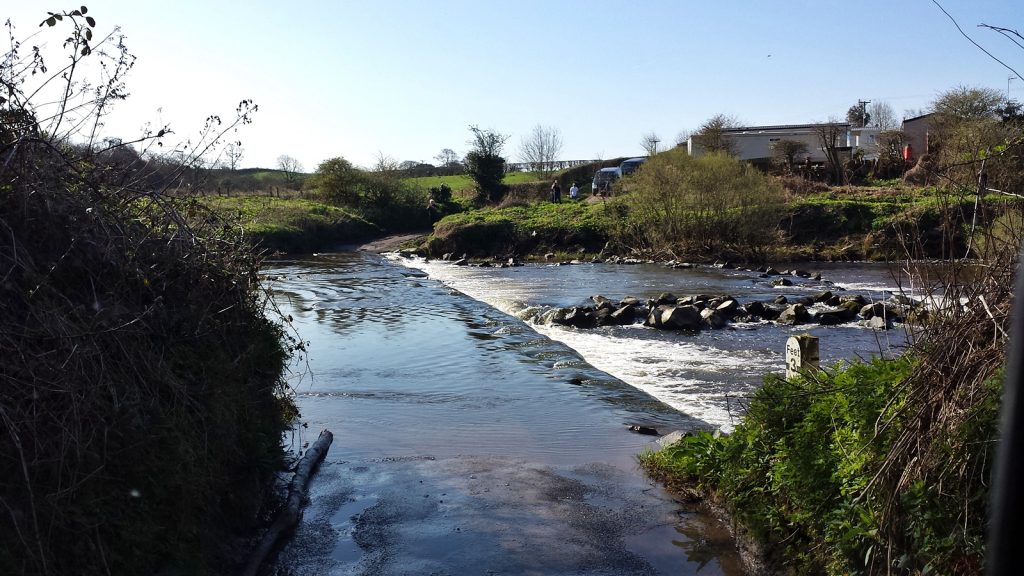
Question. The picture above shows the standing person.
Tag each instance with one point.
(574, 191)
(556, 192)
(432, 210)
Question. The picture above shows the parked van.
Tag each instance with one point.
(629, 166)
(603, 180)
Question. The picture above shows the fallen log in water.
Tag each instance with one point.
(289, 517)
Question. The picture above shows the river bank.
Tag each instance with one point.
(842, 224)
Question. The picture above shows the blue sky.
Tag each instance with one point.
(406, 78)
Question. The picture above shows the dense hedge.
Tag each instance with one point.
(140, 391)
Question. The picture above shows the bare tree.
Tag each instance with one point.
(712, 137)
(683, 137)
(384, 163)
(541, 148)
(829, 140)
(890, 154)
(447, 157)
(786, 151)
(649, 142)
(233, 153)
(290, 166)
(883, 116)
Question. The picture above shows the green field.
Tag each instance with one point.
(464, 182)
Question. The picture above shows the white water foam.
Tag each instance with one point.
(692, 376)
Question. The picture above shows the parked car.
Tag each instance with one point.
(603, 180)
(629, 166)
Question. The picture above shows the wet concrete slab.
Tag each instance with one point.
(490, 515)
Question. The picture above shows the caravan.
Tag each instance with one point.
(603, 180)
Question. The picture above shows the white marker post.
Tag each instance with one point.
(801, 355)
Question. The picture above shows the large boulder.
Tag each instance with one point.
(576, 316)
(869, 311)
(625, 315)
(782, 282)
(713, 318)
(728, 308)
(771, 313)
(858, 298)
(852, 307)
(754, 308)
(823, 296)
(830, 317)
(629, 301)
(654, 316)
(681, 318)
(878, 323)
(795, 314)
(666, 298)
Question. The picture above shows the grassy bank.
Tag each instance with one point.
(867, 468)
(652, 214)
(292, 224)
(848, 223)
(536, 227)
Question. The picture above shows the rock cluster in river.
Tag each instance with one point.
(703, 311)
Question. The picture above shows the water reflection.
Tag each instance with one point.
(368, 304)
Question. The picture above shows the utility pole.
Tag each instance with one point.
(1008, 78)
(863, 112)
(655, 140)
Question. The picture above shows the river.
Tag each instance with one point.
(471, 438)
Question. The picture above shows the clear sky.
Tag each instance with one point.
(407, 77)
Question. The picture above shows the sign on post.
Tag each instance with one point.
(801, 355)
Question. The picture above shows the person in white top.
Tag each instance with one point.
(574, 191)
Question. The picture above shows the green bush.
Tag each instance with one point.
(702, 205)
(522, 228)
(797, 473)
(378, 197)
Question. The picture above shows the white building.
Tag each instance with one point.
(754, 143)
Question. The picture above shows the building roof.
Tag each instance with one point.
(784, 127)
(921, 117)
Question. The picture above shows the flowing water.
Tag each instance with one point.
(706, 375)
(472, 438)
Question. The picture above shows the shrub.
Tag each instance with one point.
(702, 204)
(484, 163)
(380, 197)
